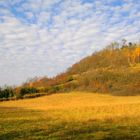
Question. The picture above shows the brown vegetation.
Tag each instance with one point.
(115, 69)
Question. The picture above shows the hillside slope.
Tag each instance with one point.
(112, 70)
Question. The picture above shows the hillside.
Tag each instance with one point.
(113, 70)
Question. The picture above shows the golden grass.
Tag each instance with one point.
(77, 106)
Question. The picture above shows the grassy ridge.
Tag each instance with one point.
(72, 116)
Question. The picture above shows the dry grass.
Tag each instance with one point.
(76, 112)
(82, 106)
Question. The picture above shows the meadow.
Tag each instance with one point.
(71, 116)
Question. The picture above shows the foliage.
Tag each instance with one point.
(28, 90)
(34, 95)
(6, 92)
(114, 69)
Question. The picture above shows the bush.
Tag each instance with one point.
(70, 78)
(28, 90)
(6, 92)
(53, 89)
(33, 95)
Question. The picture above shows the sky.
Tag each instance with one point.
(45, 37)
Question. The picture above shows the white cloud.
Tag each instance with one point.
(45, 37)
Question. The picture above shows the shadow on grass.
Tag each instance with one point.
(17, 124)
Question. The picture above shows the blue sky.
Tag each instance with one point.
(45, 37)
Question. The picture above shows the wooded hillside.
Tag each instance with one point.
(114, 69)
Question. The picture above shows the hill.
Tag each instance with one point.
(113, 70)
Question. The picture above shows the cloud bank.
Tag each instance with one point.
(45, 37)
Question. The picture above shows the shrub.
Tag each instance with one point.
(54, 89)
(6, 92)
(70, 78)
(34, 95)
(28, 90)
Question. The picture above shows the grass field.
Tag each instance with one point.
(72, 116)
